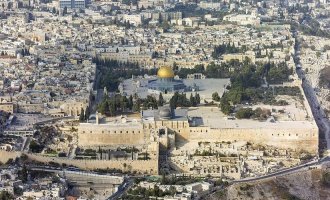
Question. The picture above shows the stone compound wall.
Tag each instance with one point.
(142, 166)
(297, 139)
(100, 139)
(99, 135)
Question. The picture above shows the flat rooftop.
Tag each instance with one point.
(115, 122)
(22, 122)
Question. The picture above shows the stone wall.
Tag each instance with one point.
(180, 127)
(142, 166)
(295, 138)
(137, 134)
(100, 139)
(99, 135)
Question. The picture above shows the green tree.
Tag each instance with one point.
(161, 100)
(197, 99)
(192, 100)
(65, 10)
(123, 102)
(215, 96)
(82, 115)
(136, 106)
(244, 113)
(225, 106)
(130, 102)
(23, 174)
(112, 108)
(103, 107)
(326, 179)
(35, 147)
(87, 113)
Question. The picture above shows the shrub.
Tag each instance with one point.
(244, 113)
(326, 179)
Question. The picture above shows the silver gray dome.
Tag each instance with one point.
(165, 112)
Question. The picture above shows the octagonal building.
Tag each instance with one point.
(165, 82)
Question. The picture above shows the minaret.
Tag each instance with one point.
(97, 117)
(105, 91)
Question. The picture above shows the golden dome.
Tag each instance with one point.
(165, 72)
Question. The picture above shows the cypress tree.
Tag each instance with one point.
(161, 100)
(82, 115)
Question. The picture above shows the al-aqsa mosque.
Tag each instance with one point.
(165, 82)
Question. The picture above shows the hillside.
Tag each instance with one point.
(312, 185)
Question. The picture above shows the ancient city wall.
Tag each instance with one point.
(142, 166)
(305, 102)
(298, 138)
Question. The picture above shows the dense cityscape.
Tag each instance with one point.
(173, 100)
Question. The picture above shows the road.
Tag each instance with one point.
(122, 189)
(286, 171)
